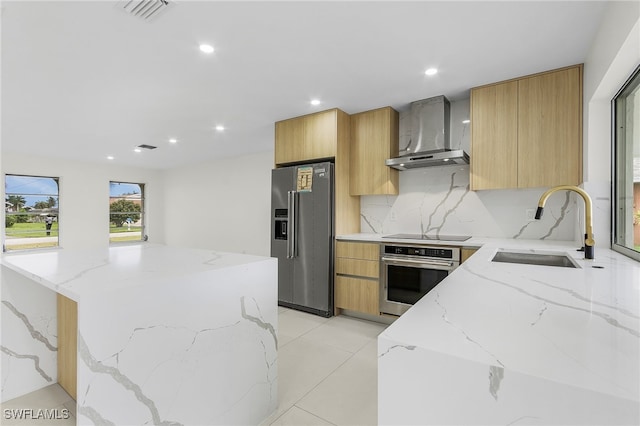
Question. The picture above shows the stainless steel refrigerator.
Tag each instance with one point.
(302, 236)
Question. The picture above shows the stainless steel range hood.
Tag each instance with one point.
(429, 142)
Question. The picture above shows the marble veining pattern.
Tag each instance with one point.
(29, 327)
(407, 347)
(496, 374)
(569, 336)
(563, 212)
(32, 331)
(202, 350)
(34, 358)
(437, 228)
(461, 330)
(93, 415)
(98, 367)
(438, 200)
(606, 317)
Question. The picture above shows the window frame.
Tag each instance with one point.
(617, 156)
(143, 213)
(57, 180)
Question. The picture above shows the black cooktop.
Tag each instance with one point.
(429, 237)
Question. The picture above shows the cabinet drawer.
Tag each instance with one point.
(363, 251)
(357, 295)
(363, 268)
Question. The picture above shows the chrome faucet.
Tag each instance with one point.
(589, 242)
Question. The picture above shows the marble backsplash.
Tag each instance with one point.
(437, 200)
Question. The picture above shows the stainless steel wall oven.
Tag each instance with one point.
(408, 272)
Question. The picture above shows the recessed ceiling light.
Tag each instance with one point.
(466, 121)
(431, 71)
(173, 140)
(110, 157)
(219, 128)
(137, 150)
(315, 102)
(206, 48)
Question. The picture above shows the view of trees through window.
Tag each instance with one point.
(626, 234)
(31, 212)
(126, 212)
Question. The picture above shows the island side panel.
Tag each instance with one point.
(420, 386)
(198, 350)
(29, 342)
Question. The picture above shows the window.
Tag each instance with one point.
(126, 212)
(626, 168)
(31, 212)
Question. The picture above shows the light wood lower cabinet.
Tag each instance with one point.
(357, 294)
(67, 344)
(357, 284)
(466, 253)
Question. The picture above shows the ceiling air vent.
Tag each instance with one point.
(145, 146)
(144, 9)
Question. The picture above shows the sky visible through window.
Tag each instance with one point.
(126, 211)
(31, 212)
(32, 188)
(120, 188)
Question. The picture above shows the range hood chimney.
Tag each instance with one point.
(429, 143)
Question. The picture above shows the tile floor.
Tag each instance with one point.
(327, 375)
(327, 370)
(52, 398)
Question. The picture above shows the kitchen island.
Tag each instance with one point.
(165, 335)
(514, 344)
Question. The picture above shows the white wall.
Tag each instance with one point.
(84, 196)
(221, 205)
(613, 56)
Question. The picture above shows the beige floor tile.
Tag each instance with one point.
(71, 406)
(282, 309)
(349, 396)
(302, 365)
(294, 324)
(48, 397)
(297, 417)
(350, 334)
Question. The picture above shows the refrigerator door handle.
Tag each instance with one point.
(291, 238)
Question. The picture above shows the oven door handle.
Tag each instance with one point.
(418, 263)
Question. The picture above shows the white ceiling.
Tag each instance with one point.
(84, 80)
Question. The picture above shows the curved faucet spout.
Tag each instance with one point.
(589, 242)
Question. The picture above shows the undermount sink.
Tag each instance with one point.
(528, 258)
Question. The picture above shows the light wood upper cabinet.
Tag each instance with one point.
(289, 140)
(550, 129)
(307, 138)
(527, 132)
(494, 132)
(374, 139)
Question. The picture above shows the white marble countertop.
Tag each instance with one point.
(74, 273)
(578, 327)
